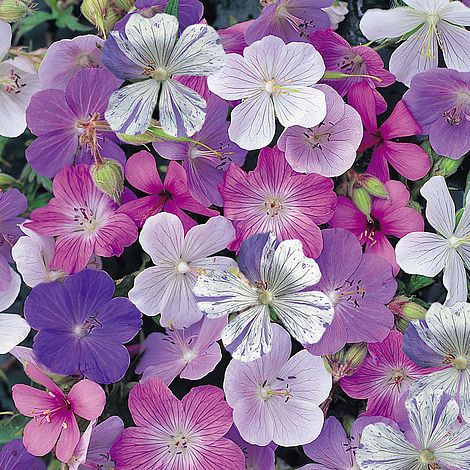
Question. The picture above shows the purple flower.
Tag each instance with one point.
(275, 398)
(81, 327)
(205, 163)
(69, 124)
(191, 353)
(447, 120)
(359, 286)
(174, 435)
(291, 20)
(14, 456)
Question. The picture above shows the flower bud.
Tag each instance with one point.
(108, 177)
(13, 10)
(362, 200)
(446, 166)
(375, 187)
(345, 361)
(402, 324)
(6, 181)
(95, 12)
(403, 307)
(125, 5)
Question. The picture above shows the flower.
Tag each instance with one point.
(173, 434)
(410, 160)
(93, 448)
(328, 149)
(291, 20)
(85, 221)
(275, 398)
(337, 12)
(166, 288)
(274, 198)
(384, 377)
(190, 353)
(447, 250)
(359, 287)
(81, 327)
(427, 26)
(448, 119)
(65, 58)
(69, 124)
(208, 156)
(53, 413)
(148, 51)
(14, 456)
(387, 217)
(441, 341)
(171, 196)
(273, 79)
(19, 81)
(272, 281)
(436, 439)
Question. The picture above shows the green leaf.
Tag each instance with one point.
(418, 282)
(172, 8)
(40, 201)
(12, 428)
(30, 22)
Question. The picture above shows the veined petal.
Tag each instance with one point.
(457, 13)
(13, 330)
(455, 45)
(5, 39)
(455, 278)
(9, 295)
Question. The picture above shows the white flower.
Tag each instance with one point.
(337, 13)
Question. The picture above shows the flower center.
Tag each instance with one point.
(266, 391)
(397, 376)
(44, 416)
(426, 456)
(86, 219)
(368, 235)
(160, 74)
(178, 443)
(265, 297)
(182, 267)
(273, 206)
(316, 136)
(460, 362)
(85, 60)
(351, 64)
(89, 131)
(11, 83)
(461, 111)
(351, 290)
(298, 24)
(84, 329)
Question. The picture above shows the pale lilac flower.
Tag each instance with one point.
(272, 79)
(337, 12)
(166, 288)
(149, 53)
(436, 439)
(190, 353)
(447, 250)
(275, 398)
(434, 25)
(329, 148)
(272, 281)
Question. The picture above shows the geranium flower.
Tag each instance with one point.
(328, 149)
(65, 58)
(85, 221)
(448, 120)
(359, 287)
(337, 12)
(190, 353)
(272, 79)
(275, 398)
(166, 288)
(291, 20)
(171, 196)
(205, 163)
(81, 327)
(387, 217)
(384, 378)
(441, 341)
(274, 198)
(428, 26)
(54, 423)
(148, 51)
(436, 439)
(14, 456)
(272, 281)
(19, 81)
(447, 250)
(173, 434)
(69, 124)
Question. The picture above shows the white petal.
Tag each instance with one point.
(9, 296)
(445, 379)
(455, 279)
(464, 395)
(5, 39)
(13, 330)
(456, 452)
(463, 227)
(427, 6)
(455, 46)
(457, 13)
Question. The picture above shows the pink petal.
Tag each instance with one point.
(221, 455)
(203, 363)
(348, 216)
(378, 165)
(141, 171)
(68, 439)
(111, 239)
(382, 247)
(361, 97)
(139, 210)
(39, 436)
(401, 123)
(72, 252)
(88, 399)
(37, 375)
(28, 399)
(401, 221)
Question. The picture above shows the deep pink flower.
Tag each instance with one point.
(170, 196)
(54, 422)
(177, 435)
(274, 198)
(388, 217)
(84, 220)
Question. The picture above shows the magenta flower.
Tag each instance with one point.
(171, 196)
(14, 456)
(275, 398)
(206, 163)
(410, 160)
(53, 413)
(189, 353)
(274, 198)
(175, 435)
(233, 37)
(84, 220)
(328, 149)
(384, 378)
(388, 217)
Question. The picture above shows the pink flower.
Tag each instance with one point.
(54, 422)
(84, 220)
(387, 217)
(274, 198)
(176, 435)
(384, 377)
(170, 196)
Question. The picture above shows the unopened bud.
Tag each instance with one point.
(345, 361)
(402, 324)
(362, 200)
(6, 181)
(446, 166)
(125, 5)
(403, 307)
(13, 10)
(375, 187)
(108, 177)
(356, 354)
(95, 12)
